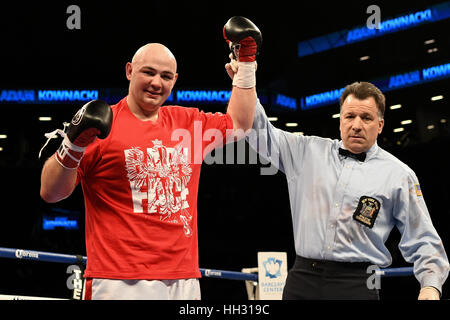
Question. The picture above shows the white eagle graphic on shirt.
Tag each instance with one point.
(158, 180)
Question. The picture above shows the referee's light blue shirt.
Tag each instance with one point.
(325, 190)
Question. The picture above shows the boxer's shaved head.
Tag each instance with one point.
(153, 49)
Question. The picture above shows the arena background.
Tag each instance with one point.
(241, 211)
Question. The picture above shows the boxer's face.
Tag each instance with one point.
(152, 76)
(359, 124)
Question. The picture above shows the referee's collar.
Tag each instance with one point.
(372, 151)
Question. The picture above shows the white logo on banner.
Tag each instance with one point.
(272, 267)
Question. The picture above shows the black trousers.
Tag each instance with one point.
(311, 279)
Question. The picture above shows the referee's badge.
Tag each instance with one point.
(367, 211)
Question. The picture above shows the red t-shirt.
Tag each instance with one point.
(140, 187)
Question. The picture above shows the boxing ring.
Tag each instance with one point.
(249, 275)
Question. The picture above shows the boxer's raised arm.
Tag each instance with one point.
(244, 39)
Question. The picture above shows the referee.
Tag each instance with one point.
(346, 196)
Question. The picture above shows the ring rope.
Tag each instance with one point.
(22, 254)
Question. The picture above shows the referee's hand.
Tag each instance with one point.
(429, 293)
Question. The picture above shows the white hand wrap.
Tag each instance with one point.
(245, 76)
(69, 155)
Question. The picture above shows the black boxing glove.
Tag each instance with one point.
(93, 120)
(244, 39)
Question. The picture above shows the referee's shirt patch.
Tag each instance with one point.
(367, 211)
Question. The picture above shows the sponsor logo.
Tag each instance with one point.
(26, 254)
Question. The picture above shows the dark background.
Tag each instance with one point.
(240, 211)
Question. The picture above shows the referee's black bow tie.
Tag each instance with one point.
(358, 156)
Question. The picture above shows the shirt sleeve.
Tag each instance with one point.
(216, 127)
(420, 243)
(284, 150)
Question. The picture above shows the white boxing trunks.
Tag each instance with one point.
(114, 289)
